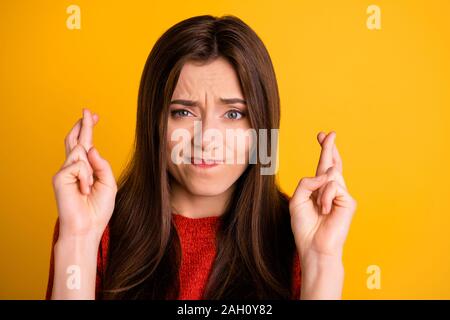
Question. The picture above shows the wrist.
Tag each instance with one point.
(78, 235)
(320, 261)
(75, 268)
(77, 245)
(322, 276)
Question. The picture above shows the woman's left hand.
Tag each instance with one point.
(321, 208)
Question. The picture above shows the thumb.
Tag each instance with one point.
(307, 186)
(101, 168)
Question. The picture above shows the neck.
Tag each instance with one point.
(191, 205)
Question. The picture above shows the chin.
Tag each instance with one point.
(205, 188)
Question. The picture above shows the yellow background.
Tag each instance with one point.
(385, 92)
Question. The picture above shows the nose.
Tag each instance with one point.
(207, 135)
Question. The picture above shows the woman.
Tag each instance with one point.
(208, 228)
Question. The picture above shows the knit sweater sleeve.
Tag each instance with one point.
(101, 262)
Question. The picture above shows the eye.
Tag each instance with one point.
(180, 113)
(234, 114)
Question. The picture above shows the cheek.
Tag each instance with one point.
(235, 171)
(239, 150)
(169, 146)
(178, 140)
(173, 153)
(248, 138)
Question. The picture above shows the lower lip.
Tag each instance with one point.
(204, 165)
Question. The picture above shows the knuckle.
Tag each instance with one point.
(79, 147)
(291, 203)
(331, 184)
(303, 181)
(76, 152)
(88, 165)
(55, 179)
(82, 165)
(79, 153)
(333, 171)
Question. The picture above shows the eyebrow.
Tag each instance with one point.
(191, 103)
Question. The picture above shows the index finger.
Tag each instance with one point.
(72, 137)
(326, 155)
(86, 132)
(337, 160)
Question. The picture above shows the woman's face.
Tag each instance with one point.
(206, 105)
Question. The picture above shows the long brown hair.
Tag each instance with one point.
(255, 244)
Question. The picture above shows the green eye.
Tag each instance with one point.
(234, 115)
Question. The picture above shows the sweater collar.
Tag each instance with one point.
(206, 226)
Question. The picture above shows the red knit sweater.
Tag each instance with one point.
(197, 237)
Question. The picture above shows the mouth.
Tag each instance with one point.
(205, 163)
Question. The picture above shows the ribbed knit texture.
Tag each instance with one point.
(198, 250)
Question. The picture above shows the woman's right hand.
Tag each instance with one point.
(84, 187)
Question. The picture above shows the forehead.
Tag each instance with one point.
(217, 77)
